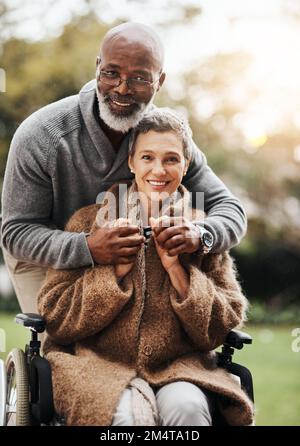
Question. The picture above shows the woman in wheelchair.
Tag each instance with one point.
(133, 344)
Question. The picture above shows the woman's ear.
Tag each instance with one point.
(130, 164)
(186, 166)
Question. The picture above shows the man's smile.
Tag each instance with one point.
(120, 106)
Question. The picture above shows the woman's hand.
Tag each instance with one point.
(166, 260)
(178, 276)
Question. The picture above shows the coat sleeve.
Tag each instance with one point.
(214, 304)
(79, 303)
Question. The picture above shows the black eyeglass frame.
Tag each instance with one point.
(142, 84)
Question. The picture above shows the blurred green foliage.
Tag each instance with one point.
(42, 72)
(261, 314)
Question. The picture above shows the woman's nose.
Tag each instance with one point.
(158, 168)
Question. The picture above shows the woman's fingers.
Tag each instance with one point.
(121, 222)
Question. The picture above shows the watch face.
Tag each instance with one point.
(147, 231)
(207, 239)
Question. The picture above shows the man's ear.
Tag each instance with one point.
(162, 78)
(98, 67)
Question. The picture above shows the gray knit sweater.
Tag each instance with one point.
(59, 160)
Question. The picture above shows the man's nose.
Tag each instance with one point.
(122, 88)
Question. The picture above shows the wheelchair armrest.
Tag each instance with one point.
(237, 339)
(31, 320)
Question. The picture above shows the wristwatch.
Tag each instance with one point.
(206, 239)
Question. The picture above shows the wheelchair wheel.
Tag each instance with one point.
(17, 397)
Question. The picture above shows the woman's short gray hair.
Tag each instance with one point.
(164, 120)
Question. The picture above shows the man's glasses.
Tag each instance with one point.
(115, 80)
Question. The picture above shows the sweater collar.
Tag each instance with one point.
(87, 98)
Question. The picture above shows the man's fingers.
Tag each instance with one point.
(178, 250)
(123, 231)
(130, 241)
(126, 252)
(162, 223)
(166, 233)
(119, 236)
(173, 242)
(126, 260)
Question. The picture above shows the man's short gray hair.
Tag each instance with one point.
(164, 120)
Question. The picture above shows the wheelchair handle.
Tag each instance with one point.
(31, 320)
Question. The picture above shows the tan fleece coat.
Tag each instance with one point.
(102, 334)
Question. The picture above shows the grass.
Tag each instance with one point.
(16, 335)
(275, 369)
(274, 366)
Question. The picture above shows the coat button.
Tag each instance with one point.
(147, 350)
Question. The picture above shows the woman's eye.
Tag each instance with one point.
(172, 159)
(146, 157)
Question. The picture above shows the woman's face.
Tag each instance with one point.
(158, 163)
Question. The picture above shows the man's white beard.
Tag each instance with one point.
(121, 123)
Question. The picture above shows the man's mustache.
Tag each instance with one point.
(121, 99)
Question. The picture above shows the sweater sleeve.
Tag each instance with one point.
(226, 218)
(214, 304)
(27, 205)
(79, 303)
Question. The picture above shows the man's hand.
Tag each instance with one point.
(115, 243)
(176, 235)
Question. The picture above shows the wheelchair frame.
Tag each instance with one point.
(26, 377)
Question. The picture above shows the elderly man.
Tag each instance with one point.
(64, 154)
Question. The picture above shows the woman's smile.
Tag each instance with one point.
(158, 185)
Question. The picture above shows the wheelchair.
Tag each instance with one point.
(26, 396)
